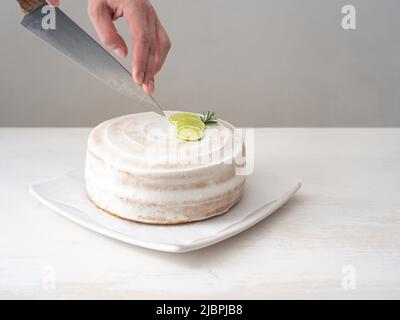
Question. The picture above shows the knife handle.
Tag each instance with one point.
(28, 6)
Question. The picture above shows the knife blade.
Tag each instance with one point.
(81, 48)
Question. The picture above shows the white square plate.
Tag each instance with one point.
(263, 194)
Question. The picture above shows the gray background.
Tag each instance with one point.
(256, 63)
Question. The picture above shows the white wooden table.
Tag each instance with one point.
(338, 238)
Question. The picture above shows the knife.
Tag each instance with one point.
(78, 46)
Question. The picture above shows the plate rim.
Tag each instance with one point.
(249, 221)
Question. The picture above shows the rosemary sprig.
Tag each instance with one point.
(209, 118)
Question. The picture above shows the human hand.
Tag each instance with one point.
(150, 41)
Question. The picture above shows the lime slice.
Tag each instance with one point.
(190, 133)
(190, 122)
(180, 116)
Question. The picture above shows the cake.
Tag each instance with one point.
(138, 169)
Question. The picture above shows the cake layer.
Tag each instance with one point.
(137, 169)
(147, 142)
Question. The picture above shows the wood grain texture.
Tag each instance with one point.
(346, 218)
(30, 5)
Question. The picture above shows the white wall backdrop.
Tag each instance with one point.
(255, 62)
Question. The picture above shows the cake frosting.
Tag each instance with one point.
(137, 169)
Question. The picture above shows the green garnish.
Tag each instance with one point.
(189, 133)
(190, 122)
(181, 116)
(190, 126)
(209, 118)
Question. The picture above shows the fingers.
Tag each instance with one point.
(148, 83)
(136, 17)
(150, 42)
(163, 46)
(53, 3)
(102, 20)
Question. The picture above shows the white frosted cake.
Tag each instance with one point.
(138, 169)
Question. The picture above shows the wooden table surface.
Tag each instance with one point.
(339, 237)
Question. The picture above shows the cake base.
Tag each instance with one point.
(210, 215)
